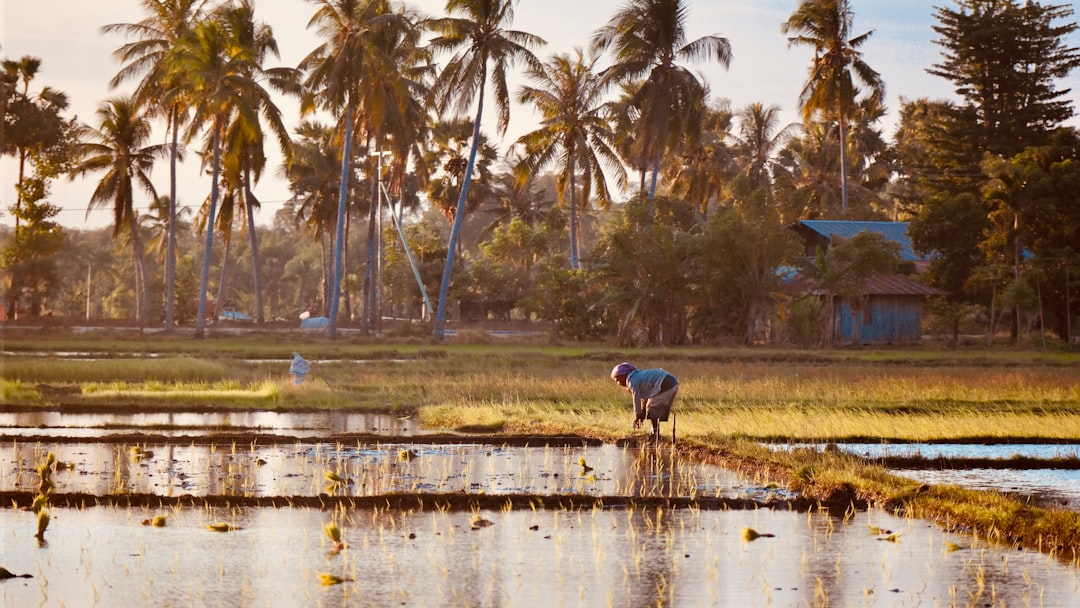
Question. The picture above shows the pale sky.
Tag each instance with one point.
(77, 59)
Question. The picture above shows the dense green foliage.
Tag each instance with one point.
(401, 180)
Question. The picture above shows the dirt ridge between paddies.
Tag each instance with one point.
(457, 501)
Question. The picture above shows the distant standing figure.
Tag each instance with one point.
(299, 368)
(653, 390)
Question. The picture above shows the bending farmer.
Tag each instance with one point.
(654, 391)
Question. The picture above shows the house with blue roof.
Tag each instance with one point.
(889, 307)
(822, 233)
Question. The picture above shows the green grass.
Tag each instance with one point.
(15, 391)
(740, 392)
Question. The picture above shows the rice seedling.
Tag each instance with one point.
(477, 522)
(328, 579)
(158, 521)
(42, 524)
(139, 453)
(750, 534)
(333, 532)
(222, 527)
(44, 471)
(336, 479)
(39, 503)
(877, 530)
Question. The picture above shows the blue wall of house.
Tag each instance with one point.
(892, 319)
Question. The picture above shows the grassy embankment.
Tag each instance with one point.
(729, 401)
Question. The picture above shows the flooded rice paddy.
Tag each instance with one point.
(641, 530)
(591, 557)
(369, 469)
(52, 423)
(1046, 474)
(954, 450)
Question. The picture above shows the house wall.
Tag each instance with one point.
(892, 319)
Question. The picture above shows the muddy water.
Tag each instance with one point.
(105, 557)
(174, 424)
(301, 469)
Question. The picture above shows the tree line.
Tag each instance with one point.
(402, 207)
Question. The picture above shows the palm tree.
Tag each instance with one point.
(530, 200)
(314, 175)
(649, 38)
(223, 79)
(394, 118)
(623, 116)
(156, 40)
(445, 158)
(830, 89)
(119, 147)
(809, 170)
(477, 38)
(574, 133)
(157, 223)
(336, 73)
(758, 142)
(243, 157)
(705, 167)
(314, 178)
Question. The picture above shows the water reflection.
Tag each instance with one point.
(1054, 488)
(174, 424)
(1048, 487)
(304, 469)
(592, 557)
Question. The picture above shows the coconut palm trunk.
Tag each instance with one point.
(843, 165)
(573, 215)
(253, 239)
(655, 173)
(444, 288)
(223, 278)
(170, 249)
(208, 246)
(339, 240)
(370, 280)
(142, 306)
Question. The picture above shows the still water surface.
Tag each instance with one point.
(105, 557)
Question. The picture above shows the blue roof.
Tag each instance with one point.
(894, 231)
